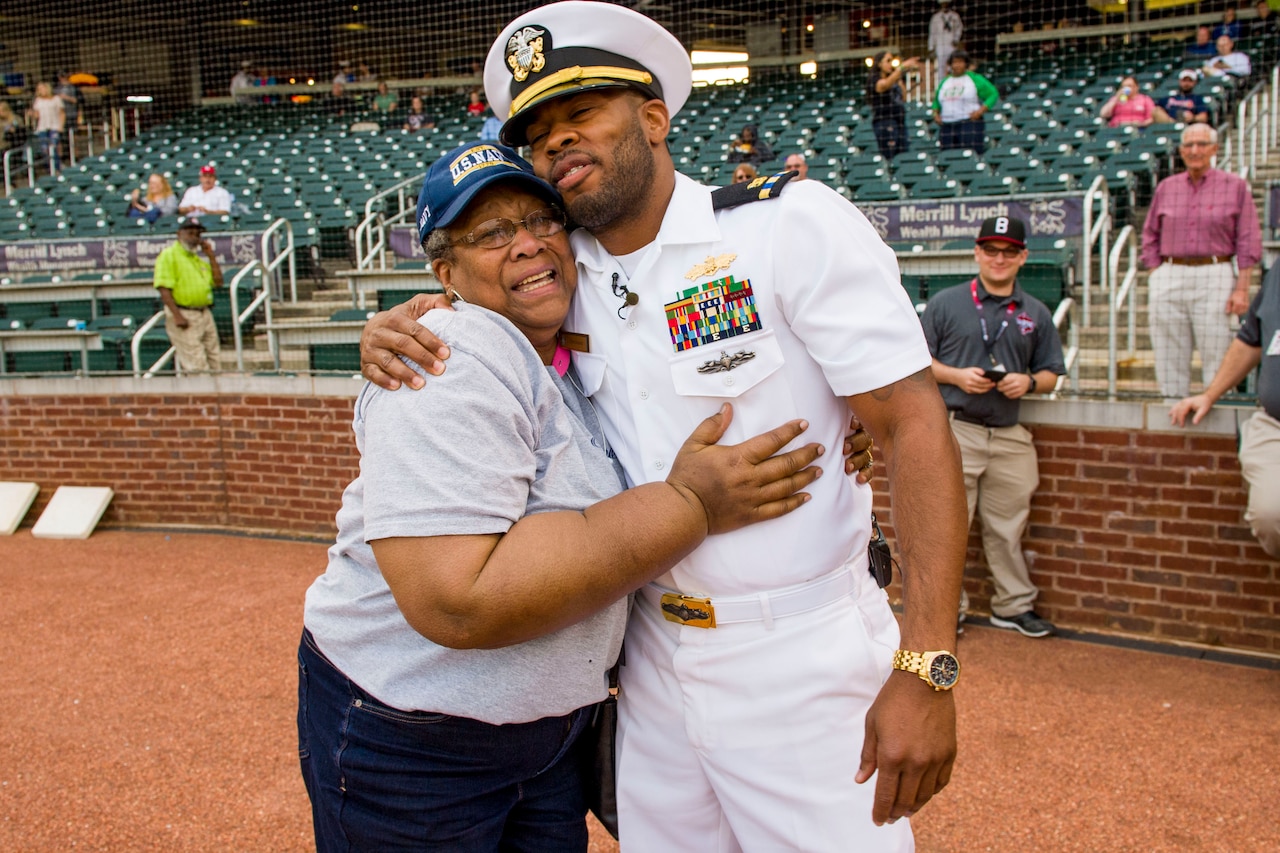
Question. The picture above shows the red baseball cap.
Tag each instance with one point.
(208, 169)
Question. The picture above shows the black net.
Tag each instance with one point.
(324, 114)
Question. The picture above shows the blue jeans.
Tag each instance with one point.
(970, 133)
(49, 145)
(382, 779)
(891, 136)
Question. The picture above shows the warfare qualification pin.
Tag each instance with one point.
(712, 265)
(726, 362)
(524, 52)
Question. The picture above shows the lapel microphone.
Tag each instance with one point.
(628, 298)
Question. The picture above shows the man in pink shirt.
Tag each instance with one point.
(1199, 221)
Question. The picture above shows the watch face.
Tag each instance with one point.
(944, 670)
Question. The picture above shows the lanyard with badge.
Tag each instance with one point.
(997, 371)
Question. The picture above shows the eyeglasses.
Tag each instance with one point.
(1197, 144)
(496, 233)
(1010, 252)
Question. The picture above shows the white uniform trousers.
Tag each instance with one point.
(1187, 308)
(1260, 463)
(746, 737)
(1000, 476)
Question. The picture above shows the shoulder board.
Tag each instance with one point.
(764, 187)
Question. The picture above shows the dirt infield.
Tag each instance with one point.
(150, 684)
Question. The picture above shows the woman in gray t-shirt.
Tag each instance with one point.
(477, 591)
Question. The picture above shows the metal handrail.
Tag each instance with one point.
(1064, 314)
(238, 317)
(135, 349)
(288, 254)
(1126, 239)
(8, 169)
(1095, 231)
(364, 231)
(1251, 131)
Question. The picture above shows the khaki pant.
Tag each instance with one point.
(1187, 306)
(197, 344)
(1000, 475)
(1260, 463)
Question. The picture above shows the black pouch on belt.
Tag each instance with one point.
(879, 557)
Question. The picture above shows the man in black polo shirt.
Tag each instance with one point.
(992, 344)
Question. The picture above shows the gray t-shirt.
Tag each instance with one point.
(1261, 328)
(1020, 338)
(486, 443)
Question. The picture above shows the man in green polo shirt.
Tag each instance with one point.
(186, 282)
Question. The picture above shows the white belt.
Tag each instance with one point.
(760, 607)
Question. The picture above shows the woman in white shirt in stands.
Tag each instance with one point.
(51, 121)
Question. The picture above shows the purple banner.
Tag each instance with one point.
(904, 221)
(403, 241)
(115, 253)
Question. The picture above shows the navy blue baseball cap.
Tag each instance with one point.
(453, 181)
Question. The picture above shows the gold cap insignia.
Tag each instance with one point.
(525, 52)
(712, 265)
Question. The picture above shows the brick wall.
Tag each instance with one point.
(1133, 530)
(1141, 532)
(247, 462)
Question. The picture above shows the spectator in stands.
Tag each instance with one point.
(364, 74)
(961, 100)
(50, 114)
(1185, 105)
(9, 125)
(385, 101)
(491, 129)
(796, 163)
(886, 93)
(1266, 22)
(1257, 343)
(986, 361)
(475, 104)
(338, 101)
(439, 624)
(1198, 222)
(207, 198)
(417, 118)
(1229, 62)
(72, 99)
(186, 282)
(945, 31)
(748, 147)
(745, 173)
(1129, 106)
(344, 75)
(1201, 47)
(242, 80)
(1229, 27)
(159, 200)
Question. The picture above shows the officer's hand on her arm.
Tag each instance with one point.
(395, 332)
(741, 484)
(910, 745)
(857, 451)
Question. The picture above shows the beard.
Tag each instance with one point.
(619, 196)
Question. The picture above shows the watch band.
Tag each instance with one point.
(921, 664)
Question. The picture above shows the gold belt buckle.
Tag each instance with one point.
(688, 610)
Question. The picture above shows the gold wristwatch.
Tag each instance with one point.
(940, 670)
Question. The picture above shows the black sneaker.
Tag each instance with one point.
(1028, 624)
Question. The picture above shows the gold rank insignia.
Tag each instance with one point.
(712, 265)
(524, 52)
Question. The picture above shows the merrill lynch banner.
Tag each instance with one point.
(903, 221)
(74, 256)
